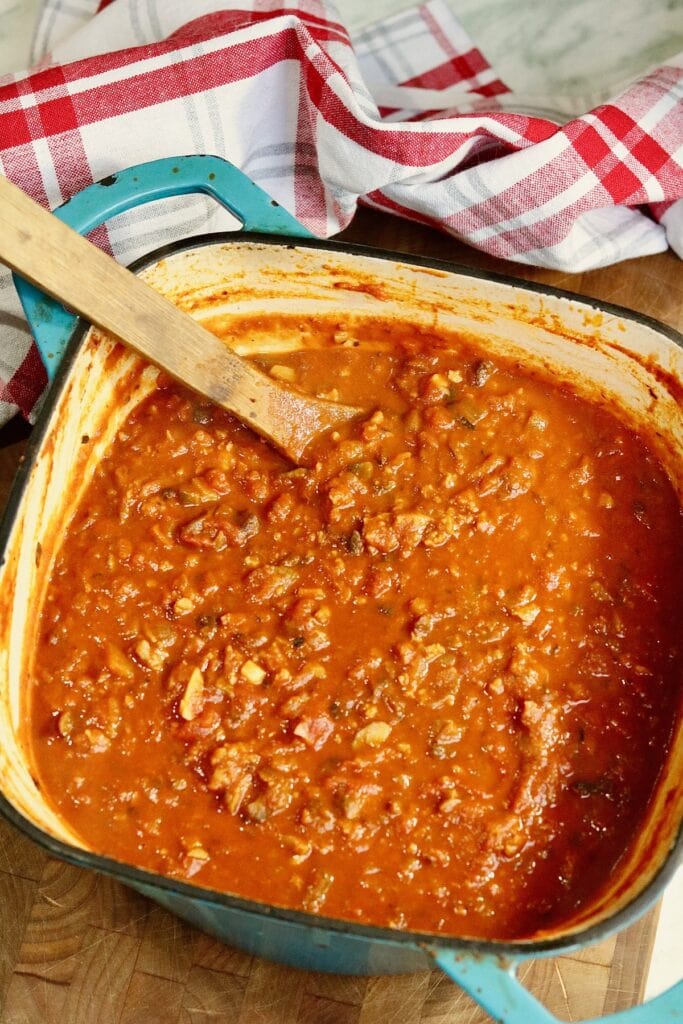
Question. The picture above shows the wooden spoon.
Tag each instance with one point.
(52, 256)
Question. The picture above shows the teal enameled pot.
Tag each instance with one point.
(602, 350)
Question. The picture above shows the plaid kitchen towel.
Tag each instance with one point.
(408, 117)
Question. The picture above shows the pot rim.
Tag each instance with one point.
(144, 879)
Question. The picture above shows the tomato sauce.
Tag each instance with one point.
(427, 681)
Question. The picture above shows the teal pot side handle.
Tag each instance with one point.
(492, 982)
(50, 323)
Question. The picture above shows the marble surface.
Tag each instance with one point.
(584, 49)
(580, 47)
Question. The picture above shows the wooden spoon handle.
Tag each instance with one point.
(52, 256)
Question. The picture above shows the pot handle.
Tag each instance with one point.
(50, 323)
(492, 982)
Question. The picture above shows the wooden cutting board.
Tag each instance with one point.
(79, 949)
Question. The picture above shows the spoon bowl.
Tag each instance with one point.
(68, 267)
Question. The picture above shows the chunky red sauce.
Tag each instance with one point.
(427, 683)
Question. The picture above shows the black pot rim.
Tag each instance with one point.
(141, 878)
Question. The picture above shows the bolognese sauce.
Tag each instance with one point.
(427, 680)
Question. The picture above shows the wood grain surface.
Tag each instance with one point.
(79, 949)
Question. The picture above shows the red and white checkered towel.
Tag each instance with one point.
(278, 88)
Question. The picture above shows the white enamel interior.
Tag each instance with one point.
(235, 288)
